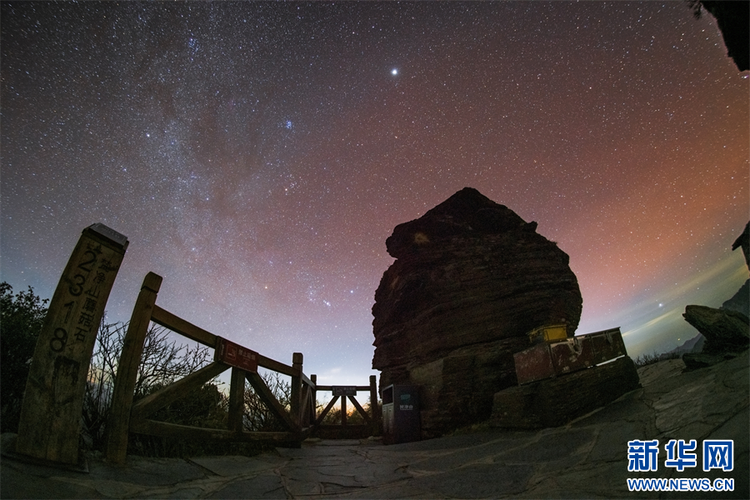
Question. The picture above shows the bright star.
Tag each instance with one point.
(394, 71)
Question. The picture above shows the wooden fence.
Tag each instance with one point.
(349, 392)
(126, 417)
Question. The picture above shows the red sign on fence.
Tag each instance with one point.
(235, 355)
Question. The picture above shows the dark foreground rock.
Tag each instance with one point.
(724, 330)
(470, 280)
(587, 458)
(698, 360)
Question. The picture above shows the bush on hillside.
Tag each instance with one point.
(21, 318)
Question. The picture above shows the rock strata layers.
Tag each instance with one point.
(726, 333)
(470, 279)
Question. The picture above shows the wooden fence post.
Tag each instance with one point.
(127, 369)
(50, 419)
(343, 410)
(314, 379)
(236, 400)
(296, 395)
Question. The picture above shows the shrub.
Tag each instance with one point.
(649, 359)
(257, 416)
(163, 361)
(21, 318)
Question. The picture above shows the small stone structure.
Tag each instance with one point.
(558, 400)
(470, 280)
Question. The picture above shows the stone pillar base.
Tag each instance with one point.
(556, 401)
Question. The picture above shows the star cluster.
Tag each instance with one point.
(257, 155)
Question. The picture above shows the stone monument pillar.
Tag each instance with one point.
(53, 401)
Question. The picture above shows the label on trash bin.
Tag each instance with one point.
(405, 403)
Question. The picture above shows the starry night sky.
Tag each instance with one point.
(257, 155)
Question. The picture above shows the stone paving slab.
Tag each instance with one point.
(261, 486)
(584, 459)
(229, 466)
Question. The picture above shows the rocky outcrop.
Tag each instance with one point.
(470, 280)
(725, 331)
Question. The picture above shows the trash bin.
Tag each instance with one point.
(401, 423)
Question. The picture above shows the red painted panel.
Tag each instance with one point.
(534, 363)
(585, 351)
(551, 359)
(235, 355)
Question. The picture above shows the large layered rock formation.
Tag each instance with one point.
(470, 280)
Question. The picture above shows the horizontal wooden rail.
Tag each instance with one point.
(307, 381)
(127, 416)
(280, 367)
(276, 366)
(175, 323)
(156, 428)
(328, 388)
(172, 322)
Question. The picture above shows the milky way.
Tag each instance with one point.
(257, 155)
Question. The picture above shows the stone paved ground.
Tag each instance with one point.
(585, 459)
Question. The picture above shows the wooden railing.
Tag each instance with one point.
(349, 392)
(126, 417)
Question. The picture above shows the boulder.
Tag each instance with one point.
(470, 279)
(698, 360)
(724, 330)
